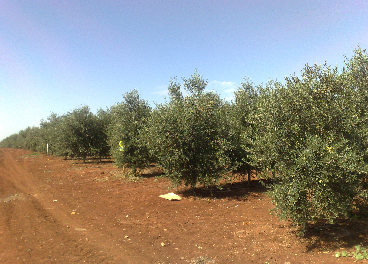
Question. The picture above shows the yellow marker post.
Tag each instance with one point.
(121, 146)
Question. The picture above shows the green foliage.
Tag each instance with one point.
(128, 119)
(195, 84)
(81, 130)
(56, 137)
(100, 142)
(78, 133)
(29, 138)
(312, 142)
(189, 135)
(359, 253)
(240, 116)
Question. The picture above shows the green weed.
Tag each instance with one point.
(359, 253)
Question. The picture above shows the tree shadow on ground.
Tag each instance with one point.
(238, 190)
(321, 236)
(151, 171)
(91, 160)
(342, 234)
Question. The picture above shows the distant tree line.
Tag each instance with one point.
(308, 137)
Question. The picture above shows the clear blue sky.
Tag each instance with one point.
(56, 55)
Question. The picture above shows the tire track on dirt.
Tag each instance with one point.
(28, 230)
(32, 226)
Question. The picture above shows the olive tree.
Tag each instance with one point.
(188, 136)
(127, 120)
(81, 130)
(307, 140)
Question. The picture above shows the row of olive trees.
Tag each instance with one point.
(309, 136)
(28, 138)
(79, 133)
(191, 138)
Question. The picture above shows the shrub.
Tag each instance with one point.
(55, 135)
(309, 136)
(240, 114)
(189, 135)
(82, 130)
(100, 144)
(127, 121)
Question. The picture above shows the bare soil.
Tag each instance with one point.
(63, 211)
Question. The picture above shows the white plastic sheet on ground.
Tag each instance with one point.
(171, 197)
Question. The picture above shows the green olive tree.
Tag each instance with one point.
(308, 139)
(127, 120)
(189, 136)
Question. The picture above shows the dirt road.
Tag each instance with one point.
(38, 224)
(58, 211)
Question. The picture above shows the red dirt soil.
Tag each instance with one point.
(63, 211)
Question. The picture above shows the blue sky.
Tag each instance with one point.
(57, 55)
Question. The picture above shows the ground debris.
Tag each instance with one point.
(171, 197)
